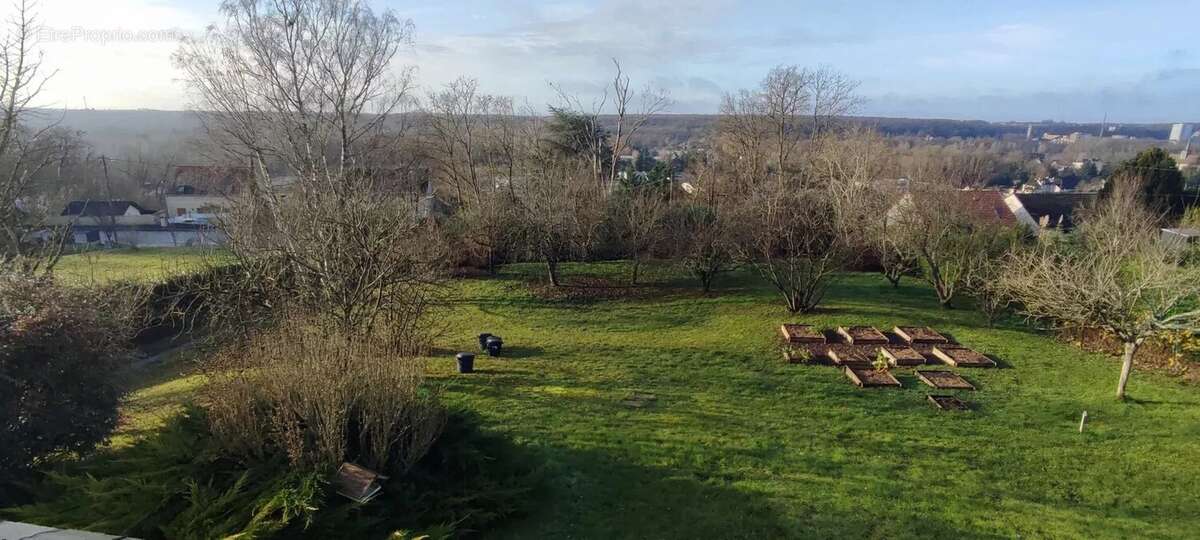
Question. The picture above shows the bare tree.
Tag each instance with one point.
(832, 94)
(938, 228)
(473, 148)
(310, 83)
(637, 216)
(24, 151)
(743, 135)
(628, 120)
(1117, 276)
(790, 235)
(555, 200)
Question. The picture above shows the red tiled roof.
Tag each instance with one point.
(986, 205)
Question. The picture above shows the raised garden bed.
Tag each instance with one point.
(944, 380)
(903, 356)
(849, 355)
(799, 334)
(949, 403)
(863, 335)
(962, 357)
(870, 378)
(919, 334)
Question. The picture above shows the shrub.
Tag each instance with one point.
(182, 483)
(59, 349)
(322, 399)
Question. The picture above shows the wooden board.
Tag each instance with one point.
(903, 356)
(962, 357)
(919, 334)
(849, 355)
(863, 335)
(944, 380)
(869, 378)
(801, 334)
(948, 403)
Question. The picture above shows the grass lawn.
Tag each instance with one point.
(140, 264)
(740, 444)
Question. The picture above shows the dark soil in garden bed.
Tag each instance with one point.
(870, 378)
(850, 355)
(863, 335)
(801, 333)
(944, 380)
(903, 356)
(949, 403)
(962, 357)
(919, 334)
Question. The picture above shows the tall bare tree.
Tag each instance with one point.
(24, 151)
(632, 110)
(312, 86)
(1117, 276)
(832, 94)
(311, 83)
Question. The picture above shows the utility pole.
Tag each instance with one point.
(108, 194)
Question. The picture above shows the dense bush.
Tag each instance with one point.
(321, 399)
(59, 349)
(181, 483)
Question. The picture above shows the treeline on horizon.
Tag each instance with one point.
(109, 130)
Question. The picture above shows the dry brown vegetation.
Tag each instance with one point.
(322, 399)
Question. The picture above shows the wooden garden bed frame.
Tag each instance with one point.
(944, 380)
(948, 403)
(870, 378)
(849, 355)
(862, 335)
(800, 334)
(919, 334)
(962, 357)
(903, 356)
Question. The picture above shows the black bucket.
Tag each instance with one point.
(493, 346)
(483, 341)
(466, 362)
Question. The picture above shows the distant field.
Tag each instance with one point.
(141, 264)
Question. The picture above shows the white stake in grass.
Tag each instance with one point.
(1082, 421)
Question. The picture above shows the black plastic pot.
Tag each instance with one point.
(483, 341)
(466, 362)
(493, 345)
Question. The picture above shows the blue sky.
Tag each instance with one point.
(995, 60)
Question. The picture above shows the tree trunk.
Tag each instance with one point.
(1126, 367)
(636, 266)
(552, 271)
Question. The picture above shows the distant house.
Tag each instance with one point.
(1054, 210)
(106, 212)
(126, 223)
(1037, 211)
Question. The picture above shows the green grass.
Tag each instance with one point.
(741, 445)
(141, 264)
(157, 393)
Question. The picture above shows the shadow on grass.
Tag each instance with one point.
(610, 496)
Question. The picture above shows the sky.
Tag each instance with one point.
(1011, 60)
